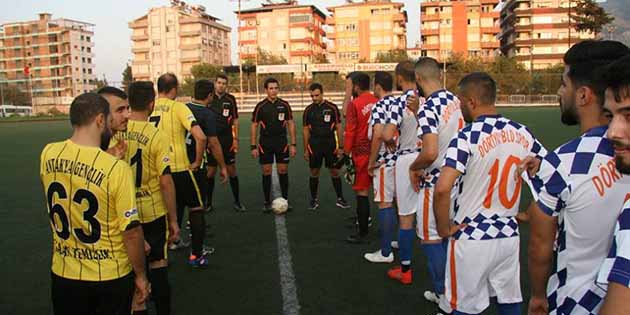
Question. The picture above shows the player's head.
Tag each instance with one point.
(317, 93)
(118, 106)
(141, 96)
(348, 84)
(405, 74)
(616, 78)
(581, 91)
(204, 91)
(272, 86)
(383, 83)
(477, 92)
(220, 83)
(90, 114)
(167, 85)
(360, 83)
(427, 70)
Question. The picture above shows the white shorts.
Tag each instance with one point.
(426, 228)
(384, 184)
(478, 270)
(407, 199)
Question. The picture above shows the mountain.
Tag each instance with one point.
(621, 26)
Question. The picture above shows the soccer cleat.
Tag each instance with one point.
(313, 204)
(209, 209)
(431, 297)
(207, 251)
(198, 262)
(342, 203)
(377, 257)
(187, 224)
(357, 239)
(238, 207)
(396, 273)
(267, 207)
(178, 245)
(394, 244)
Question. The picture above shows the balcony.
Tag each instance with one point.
(332, 35)
(430, 31)
(139, 24)
(190, 46)
(399, 17)
(300, 53)
(429, 17)
(139, 37)
(330, 20)
(490, 45)
(190, 59)
(489, 1)
(491, 30)
(140, 49)
(190, 33)
(430, 47)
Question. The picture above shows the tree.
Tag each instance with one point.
(394, 55)
(100, 83)
(267, 58)
(13, 95)
(589, 16)
(198, 72)
(127, 78)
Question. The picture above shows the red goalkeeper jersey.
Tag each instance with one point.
(357, 123)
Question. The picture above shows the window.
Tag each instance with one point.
(168, 29)
(89, 60)
(89, 49)
(82, 37)
(83, 59)
(295, 18)
(156, 42)
(89, 71)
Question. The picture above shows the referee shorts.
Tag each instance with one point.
(273, 149)
(228, 154)
(187, 191)
(156, 234)
(322, 154)
(78, 297)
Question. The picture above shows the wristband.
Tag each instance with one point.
(253, 147)
(293, 144)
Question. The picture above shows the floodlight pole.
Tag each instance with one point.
(240, 61)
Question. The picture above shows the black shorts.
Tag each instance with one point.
(201, 176)
(187, 191)
(273, 149)
(79, 297)
(320, 151)
(156, 234)
(228, 154)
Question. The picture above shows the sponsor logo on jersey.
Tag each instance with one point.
(130, 213)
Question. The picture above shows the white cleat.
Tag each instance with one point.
(431, 297)
(395, 244)
(377, 257)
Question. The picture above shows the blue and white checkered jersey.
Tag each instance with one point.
(379, 116)
(579, 184)
(487, 153)
(405, 120)
(440, 115)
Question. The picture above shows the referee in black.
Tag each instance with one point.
(322, 133)
(274, 117)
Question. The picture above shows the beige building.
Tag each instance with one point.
(51, 60)
(360, 31)
(536, 32)
(175, 38)
(465, 27)
(285, 29)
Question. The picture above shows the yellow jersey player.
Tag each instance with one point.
(119, 109)
(147, 152)
(177, 121)
(97, 237)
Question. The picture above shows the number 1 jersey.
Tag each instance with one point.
(91, 201)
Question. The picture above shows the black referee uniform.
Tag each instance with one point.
(207, 121)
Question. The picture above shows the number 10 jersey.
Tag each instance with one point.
(91, 201)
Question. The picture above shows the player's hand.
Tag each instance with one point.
(307, 156)
(147, 248)
(235, 146)
(391, 145)
(538, 306)
(413, 101)
(529, 164)
(522, 217)
(173, 232)
(143, 289)
(255, 153)
(195, 166)
(292, 151)
(224, 175)
(452, 229)
(417, 178)
(118, 151)
(371, 167)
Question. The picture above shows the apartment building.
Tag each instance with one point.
(285, 29)
(538, 32)
(360, 31)
(175, 38)
(51, 60)
(467, 27)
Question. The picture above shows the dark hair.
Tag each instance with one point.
(406, 69)
(361, 79)
(110, 90)
(484, 86)
(316, 86)
(616, 77)
(166, 82)
(349, 75)
(585, 57)
(221, 76)
(141, 94)
(427, 67)
(203, 88)
(86, 107)
(384, 79)
(270, 80)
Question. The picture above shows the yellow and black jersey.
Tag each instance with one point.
(148, 155)
(175, 119)
(91, 202)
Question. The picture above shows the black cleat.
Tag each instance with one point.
(267, 207)
(238, 207)
(209, 209)
(342, 203)
(313, 204)
(357, 239)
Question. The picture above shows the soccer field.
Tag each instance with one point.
(243, 277)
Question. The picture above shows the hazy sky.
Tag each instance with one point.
(112, 34)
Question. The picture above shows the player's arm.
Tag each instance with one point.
(235, 129)
(347, 98)
(543, 230)
(351, 128)
(292, 136)
(428, 132)
(167, 188)
(253, 131)
(377, 141)
(617, 300)
(214, 146)
(442, 201)
(200, 145)
(306, 133)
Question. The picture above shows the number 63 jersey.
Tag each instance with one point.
(487, 153)
(91, 201)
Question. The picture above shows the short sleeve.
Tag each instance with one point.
(256, 117)
(184, 116)
(620, 271)
(552, 184)
(124, 196)
(458, 153)
(377, 114)
(305, 117)
(289, 111)
(337, 113)
(537, 149)
(161, 154)
(427, 121)
(235, 107)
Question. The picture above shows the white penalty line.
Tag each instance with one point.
(290, 301)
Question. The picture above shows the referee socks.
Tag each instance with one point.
(313, 184)
(266, 183)
(284, 185)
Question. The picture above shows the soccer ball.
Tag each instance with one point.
(279, 205)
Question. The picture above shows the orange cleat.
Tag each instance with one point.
(397, 274)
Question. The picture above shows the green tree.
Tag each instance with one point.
(100, 83)
(394, 55)
(12, 95)
(589, 16)
(267, 58)
(127, 78)
(198, 72)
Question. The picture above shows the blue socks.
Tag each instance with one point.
(386, 217)
(405, 244)
(436, 254)
(510, 309)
